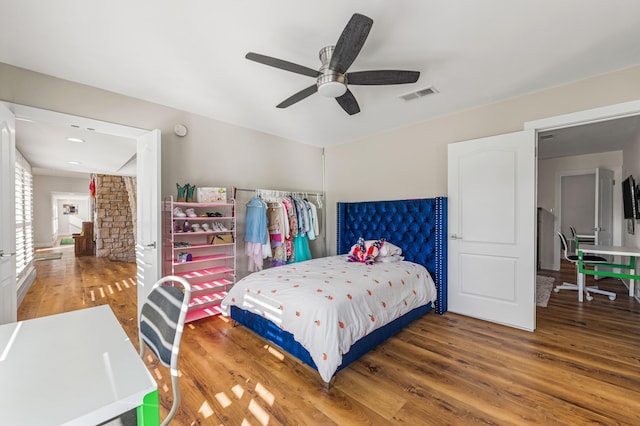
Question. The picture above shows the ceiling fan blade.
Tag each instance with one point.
(380, 77)
(283, 65)
(348, 103)
(298, 96)
(350, 42)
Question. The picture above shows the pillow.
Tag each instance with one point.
(360, 252)
(387, 249)
(389, 259)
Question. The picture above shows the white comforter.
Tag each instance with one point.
(328, 303)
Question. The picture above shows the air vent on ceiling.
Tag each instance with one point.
(420, 93)
(547, 137)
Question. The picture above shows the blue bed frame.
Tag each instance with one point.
(418, 226)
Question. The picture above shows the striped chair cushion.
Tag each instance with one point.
(158, 321)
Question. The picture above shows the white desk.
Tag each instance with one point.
(75, 368)
(631, 253)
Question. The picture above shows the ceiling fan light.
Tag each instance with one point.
(332, 89)
(331, 85)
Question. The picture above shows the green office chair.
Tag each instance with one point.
(588, 260)
(161, 324)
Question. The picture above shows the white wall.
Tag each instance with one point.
(71, 223)
(45, 191)
(577, 207)
(549, 180)
(631, 166)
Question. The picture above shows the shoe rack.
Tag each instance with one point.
(199, 245)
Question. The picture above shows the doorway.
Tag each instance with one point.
(69, 210)
(571, 148)
(145, 148)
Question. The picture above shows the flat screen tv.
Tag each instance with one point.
(629, 199)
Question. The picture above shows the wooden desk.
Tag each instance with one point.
(631, 253)
(75, 368)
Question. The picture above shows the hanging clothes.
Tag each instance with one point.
(275, 219)
(314, 217)
(255, 227)
(279, 226)
(300, 249)
(255, 232)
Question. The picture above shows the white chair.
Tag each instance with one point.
(588, 260)
(161, 324)
(588, 239)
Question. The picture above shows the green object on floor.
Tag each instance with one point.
(66, 241)
(47, 256)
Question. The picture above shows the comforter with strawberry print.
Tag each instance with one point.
(327, 304)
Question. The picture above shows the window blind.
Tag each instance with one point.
(24, 215)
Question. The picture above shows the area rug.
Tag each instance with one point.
(47, 255)
(544, 285)
(66, 241)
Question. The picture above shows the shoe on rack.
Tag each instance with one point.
(177, 212)
(220, 227)
(196, 228)
(190, 192)
(206, 227)
(190, 213)
(182, 193)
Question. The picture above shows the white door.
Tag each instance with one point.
(492, 229)
(148, 214)
(604, 207)
(8, 290)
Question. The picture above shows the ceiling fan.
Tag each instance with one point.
(332, 79)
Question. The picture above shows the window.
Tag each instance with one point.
(24, 216)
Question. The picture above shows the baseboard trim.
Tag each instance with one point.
(25, 283)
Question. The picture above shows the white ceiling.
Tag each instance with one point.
(190, 55)
(43, 138)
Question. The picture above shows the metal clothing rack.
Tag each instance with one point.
(320, 249)
(280, 193)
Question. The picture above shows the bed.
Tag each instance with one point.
(372, 302)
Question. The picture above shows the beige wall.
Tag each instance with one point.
(412, 161)
(212, 154)
(404, 163)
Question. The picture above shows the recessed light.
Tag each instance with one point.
(75, 140)
(75, 163)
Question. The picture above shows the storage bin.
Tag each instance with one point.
(211, 195)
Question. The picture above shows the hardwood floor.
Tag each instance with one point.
(580, 366)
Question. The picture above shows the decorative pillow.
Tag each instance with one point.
(389, 259)
(387, 249)
(361, 253)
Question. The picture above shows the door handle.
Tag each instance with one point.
(2, 254)
(455, 237)
(152, 245)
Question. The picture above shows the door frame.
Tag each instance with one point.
(575, 119)
(123, 130)
(594, 115)
(557, 217)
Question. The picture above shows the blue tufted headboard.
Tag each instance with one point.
(417, 226)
